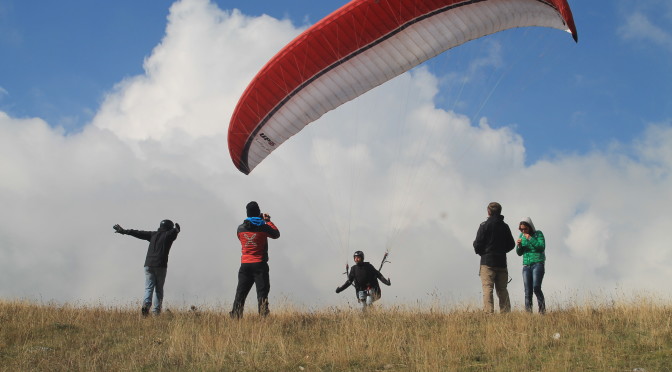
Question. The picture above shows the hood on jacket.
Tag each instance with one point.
(528, 221)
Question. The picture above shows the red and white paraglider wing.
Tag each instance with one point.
(358, 47)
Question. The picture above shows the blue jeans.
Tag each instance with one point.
(155, 277)
(533, 275)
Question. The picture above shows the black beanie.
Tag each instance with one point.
(253, 209)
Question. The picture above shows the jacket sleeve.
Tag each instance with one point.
(535, 244)
(272, 230)
(479, 245)
(173, 233)
(344, 286)
(144, 235)
(382, 278)
(511, 243)
(520, 250)
(351, 278)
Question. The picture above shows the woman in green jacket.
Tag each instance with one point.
(531, 246)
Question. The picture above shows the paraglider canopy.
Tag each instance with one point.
(358, 47)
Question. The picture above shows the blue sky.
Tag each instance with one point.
(116, 112)
(63, 58)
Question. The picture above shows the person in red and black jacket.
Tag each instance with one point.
(253, 234)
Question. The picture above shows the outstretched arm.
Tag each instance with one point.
(383, 279)
(144, 235)
(344, 286)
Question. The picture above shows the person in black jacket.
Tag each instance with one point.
(156, 262)
(493, 241)
(364, 277)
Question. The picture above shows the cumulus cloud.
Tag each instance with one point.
(194, 77)
(389, 170)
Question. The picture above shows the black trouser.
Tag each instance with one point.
(248, 274)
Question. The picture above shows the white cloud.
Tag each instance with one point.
(639, 26)
(195, 76)
(588, 239)
(653, 148)
(388, 170)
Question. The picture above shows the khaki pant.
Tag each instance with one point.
(496, 277)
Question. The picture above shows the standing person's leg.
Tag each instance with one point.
(527, 283)
(160, 275)
(150, 283)
(487, 282)
(538, 271)
(245, 282)
(262, 282)
(501, 280)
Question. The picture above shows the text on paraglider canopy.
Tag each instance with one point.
(265, 137)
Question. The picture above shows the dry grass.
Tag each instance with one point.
(618, 337)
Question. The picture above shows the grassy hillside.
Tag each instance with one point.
(619, 337)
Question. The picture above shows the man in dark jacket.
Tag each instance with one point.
(253, 234)
(493, 241)
(156, 262)
(365, 278)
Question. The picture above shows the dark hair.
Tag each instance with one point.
(494, 209)
(528, 226)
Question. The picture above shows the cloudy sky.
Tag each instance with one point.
(118, 112)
